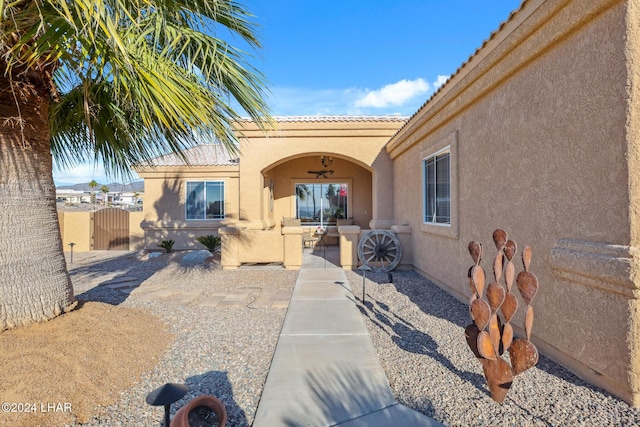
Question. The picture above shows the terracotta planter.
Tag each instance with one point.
(181, 418)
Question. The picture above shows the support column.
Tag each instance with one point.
(404, 235)
(229, 255)
(382, 192)
(292, 247)
(349, 237)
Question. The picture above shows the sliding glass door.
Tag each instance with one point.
(321, 204)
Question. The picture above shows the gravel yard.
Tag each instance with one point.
(418, 332)
(226, 325)
(223, 349)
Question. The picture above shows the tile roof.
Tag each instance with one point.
(201, 155)
(284, 119)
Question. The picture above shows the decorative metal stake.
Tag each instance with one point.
(165, 396)
(72, 245)
(491, 334)
(364, 268)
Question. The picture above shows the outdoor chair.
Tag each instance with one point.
(290, 222)
(309, 239)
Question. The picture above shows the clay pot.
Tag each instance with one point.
(181, 418)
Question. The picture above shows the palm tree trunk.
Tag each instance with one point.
(34, 282)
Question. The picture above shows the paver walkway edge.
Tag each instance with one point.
(325, 370)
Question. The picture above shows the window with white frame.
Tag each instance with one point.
(437, 188)
(205, 200)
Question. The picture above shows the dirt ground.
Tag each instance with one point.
(63, 370)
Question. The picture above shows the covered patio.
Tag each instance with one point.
(308, 175)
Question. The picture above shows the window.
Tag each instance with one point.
(321, 204)
(205, 200)
(437, 188)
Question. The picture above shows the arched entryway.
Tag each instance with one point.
(319, 189)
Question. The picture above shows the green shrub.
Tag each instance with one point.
(167, 245)
(210, 241)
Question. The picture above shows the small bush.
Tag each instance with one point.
(167, 245)
(210, 241)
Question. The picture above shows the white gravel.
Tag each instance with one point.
(417, 329)
(418, 332)
(224, 351)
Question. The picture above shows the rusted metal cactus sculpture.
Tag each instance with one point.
(491, 333)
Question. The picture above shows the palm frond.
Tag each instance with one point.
(137, 78)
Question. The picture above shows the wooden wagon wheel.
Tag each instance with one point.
(380, 250)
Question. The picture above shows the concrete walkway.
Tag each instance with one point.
(325, 371)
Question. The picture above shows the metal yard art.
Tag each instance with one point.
(491, 334)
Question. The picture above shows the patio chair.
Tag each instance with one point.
(290, 222)
(309, 238)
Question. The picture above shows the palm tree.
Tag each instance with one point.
(105, 191)
(302, 191)
(92, 185)
(113, 81)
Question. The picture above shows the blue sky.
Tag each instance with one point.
(371, 57)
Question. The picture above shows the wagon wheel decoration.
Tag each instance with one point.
(380, 250)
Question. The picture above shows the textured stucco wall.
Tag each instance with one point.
(78, 230)
(538, 120)
(284, 155)
(354, 145)
(136, 233)
(164, 204)
(632, 52)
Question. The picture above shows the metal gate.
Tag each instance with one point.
(111, 230)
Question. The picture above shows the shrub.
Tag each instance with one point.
(167, 245)
(210, 241)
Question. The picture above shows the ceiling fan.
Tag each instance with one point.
(322, 173)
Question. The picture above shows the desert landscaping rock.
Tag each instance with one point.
(418, 332)
(226, 326)
(224, 341)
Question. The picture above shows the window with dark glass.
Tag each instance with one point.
(205, 200)
(437, 189)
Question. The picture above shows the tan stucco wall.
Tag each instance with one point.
(271, 163)
(164, 207)
(540, 135)
(354, 145)
(77, 229)
(632, 51)
(136, 233)
(282, 157)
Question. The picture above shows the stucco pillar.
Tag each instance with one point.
(292, 247)
(382, 192)
(229, 252)
(404, 235)
(349, 235)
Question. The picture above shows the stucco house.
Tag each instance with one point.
(537, 133)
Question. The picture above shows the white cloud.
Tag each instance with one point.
(394, 94)
(401, 98)
(440, 81)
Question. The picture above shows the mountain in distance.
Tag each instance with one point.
(116, 187)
